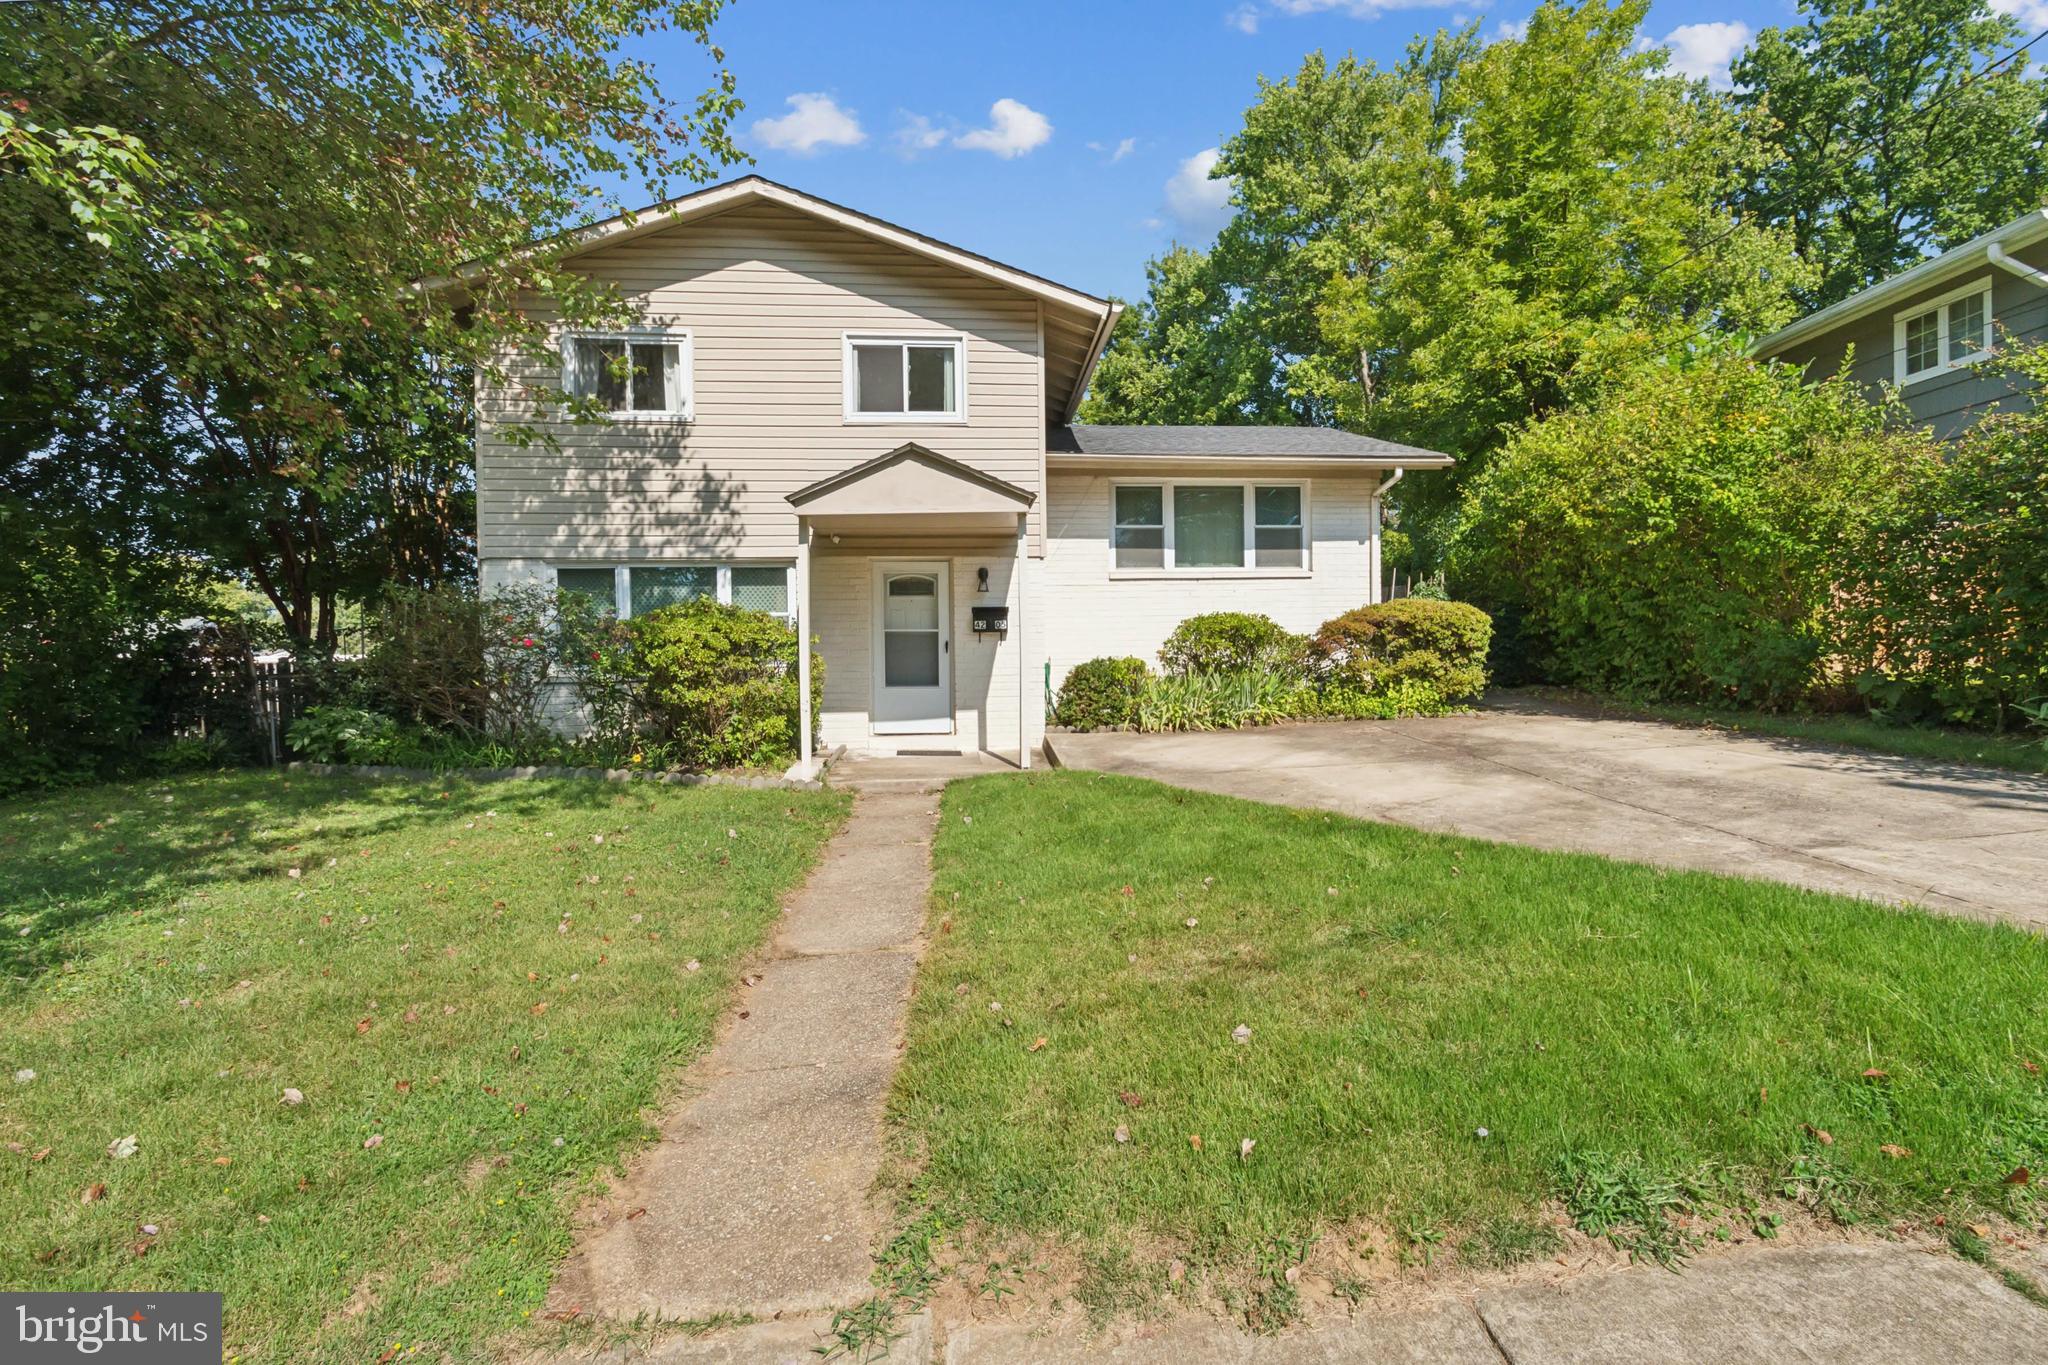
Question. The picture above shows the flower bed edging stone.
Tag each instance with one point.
(551, 770)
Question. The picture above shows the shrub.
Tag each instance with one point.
(1101, 694)
(1436, 644)
(344, 734)
(1684, 536)
(1409, 697)
(1944, 605)
(722, 683)
(1232, 642)
(476, 665)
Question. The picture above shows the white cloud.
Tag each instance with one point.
(916, 134)
(1245, 18)
(1014, 129)
(2032, 14)
(1123, 148)
(1195, 200)
(1353, 9)
(814, 120)
(1703, 51)
(1508, 31)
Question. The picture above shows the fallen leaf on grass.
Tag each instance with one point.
(122, 1148)
(402, 1087)
(2020, 1175)
(291, 1097)
(39, 1154)
(1036, 1043)
(1123, 1134)
(93, 1193)
(640, 1212)
(363, 1024)
(223, 1161)
(1894, 1151)
(540, 1008)
(1195, 1141)
(1131, 1099)
(1873, 1074)
(1241, 1034)
(1980, 1229)
(1244, 1149)
(1820, 1135)
(569, 1314)
(374, 1140)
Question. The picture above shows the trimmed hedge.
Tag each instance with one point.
(1101, 694)
(1421, 640)
(1233, 642)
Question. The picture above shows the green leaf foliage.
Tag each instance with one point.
(722, 683)
(1685, 538)
(1440, 645)
(1232, 642)
(1101, 694)
(1895, 130)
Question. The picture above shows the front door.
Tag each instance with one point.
(913, 650)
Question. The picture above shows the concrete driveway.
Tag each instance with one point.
(1968, 841)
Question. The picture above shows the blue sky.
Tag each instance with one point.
(1065, 138)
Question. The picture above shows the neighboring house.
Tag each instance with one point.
(868, 433)
(1924, 330)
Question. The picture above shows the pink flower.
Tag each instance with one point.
(526, 643)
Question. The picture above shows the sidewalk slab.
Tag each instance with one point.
(757, 1200)
(1450, 1334)
(1844, 1305)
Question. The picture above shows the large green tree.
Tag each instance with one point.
(1441, 251)
(1894, 131)
(213, 217)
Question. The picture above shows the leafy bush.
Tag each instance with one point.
(1943, 613)
(1407, 697)
(1232, 642)
(477, 665)
(1437, 644)
(1684, 536)
(722, 683)
(344, 734)
(1101, 694)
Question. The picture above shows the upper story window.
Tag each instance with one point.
(633, 374)
(1209, 525)
(1941, 334)
(905, 379)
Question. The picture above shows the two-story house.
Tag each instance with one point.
(1925, 330)
(870, 433)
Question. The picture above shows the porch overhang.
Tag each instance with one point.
(912, 491)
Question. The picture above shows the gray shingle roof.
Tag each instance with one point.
(1258, 443)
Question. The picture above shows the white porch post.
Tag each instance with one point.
(1023, 654)
(1372, 549)
(803, 645)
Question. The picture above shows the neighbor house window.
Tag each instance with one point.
(644, 374)
(636, 589)
(903, 378)
(1942, 334)
(1209, 525)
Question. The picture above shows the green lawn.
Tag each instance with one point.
(476, 998)
(1443, 1035)
(2025, 752)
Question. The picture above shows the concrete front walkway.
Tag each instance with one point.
(757, 1200)
(1969, 841)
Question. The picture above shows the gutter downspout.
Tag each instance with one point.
(1377, 592)
(1995, 254)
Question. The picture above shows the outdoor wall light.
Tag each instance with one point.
(981, 577)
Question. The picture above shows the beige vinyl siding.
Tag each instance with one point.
(767, 296)
(1097, 614)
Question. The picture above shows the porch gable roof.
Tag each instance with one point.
(911, 480)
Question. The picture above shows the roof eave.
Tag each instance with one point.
(1418, 460)
(2019, 232)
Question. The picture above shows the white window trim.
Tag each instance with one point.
(622, 591)
(686, 361)
(848, 381)
(1939, 306)
(1166, 486)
